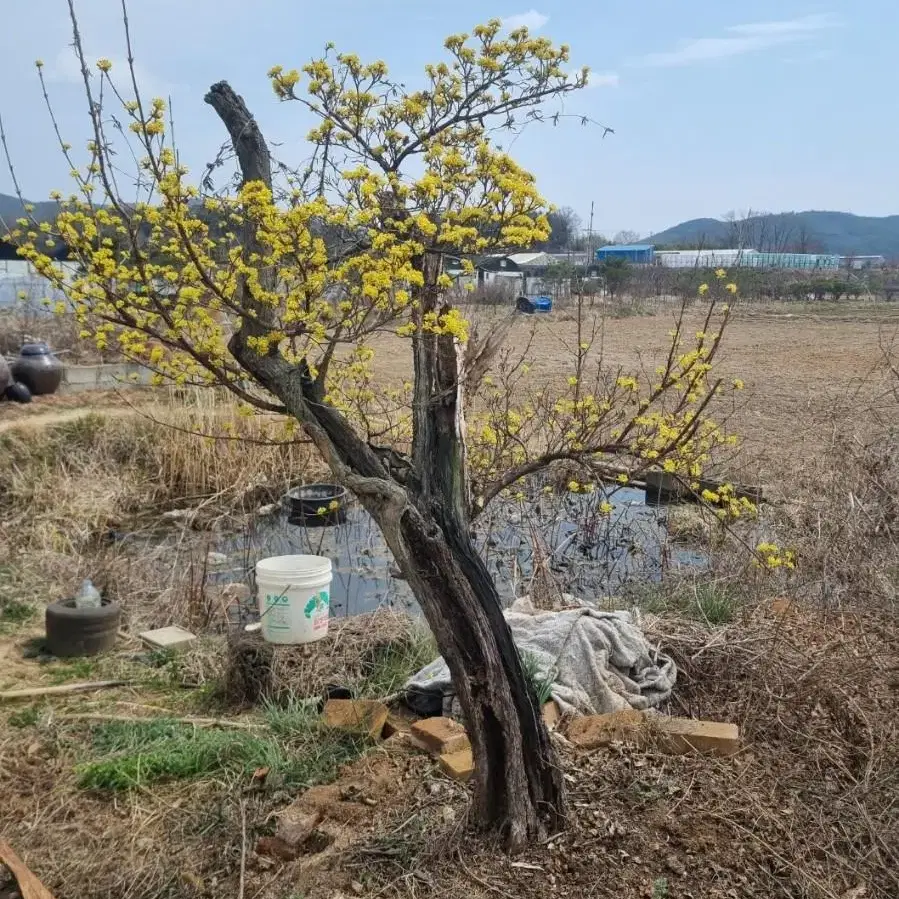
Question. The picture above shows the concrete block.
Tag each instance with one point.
(593, 731)
(440, 736)
(363, 716)
(173, 637)
(681, 735)
(458, 765)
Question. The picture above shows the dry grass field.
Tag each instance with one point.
(161, 809)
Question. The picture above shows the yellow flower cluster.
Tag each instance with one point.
(772, 557)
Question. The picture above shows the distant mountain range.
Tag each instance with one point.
(11, 209)
(840, 233)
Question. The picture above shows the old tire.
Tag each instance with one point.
(81, 632)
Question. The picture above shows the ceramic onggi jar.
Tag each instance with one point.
(37, 368)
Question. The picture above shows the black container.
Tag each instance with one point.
(38, 369)
(312, 505)
(17, 392)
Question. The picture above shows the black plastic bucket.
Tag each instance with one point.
(317, 505)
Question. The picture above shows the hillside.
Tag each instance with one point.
(813, 232)
(11, 209)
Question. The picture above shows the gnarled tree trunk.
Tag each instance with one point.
(424, 518)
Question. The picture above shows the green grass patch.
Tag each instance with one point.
(392, 664)
(712, 602)
(75, 670)
(135, 754)
(26, 717)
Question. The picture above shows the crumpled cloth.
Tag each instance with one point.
(597, 661)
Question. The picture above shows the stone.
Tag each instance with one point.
(296, 824)
(216, 560)
(365, 716)
(593, 731)
(459, 765)
(269, 509)
(440, 735)
(552, 715)
(682, 735)
(172, 637)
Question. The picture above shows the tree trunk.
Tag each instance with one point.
(519, 788)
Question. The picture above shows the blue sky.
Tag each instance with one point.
(716, 105)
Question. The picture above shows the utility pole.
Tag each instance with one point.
(591, 250)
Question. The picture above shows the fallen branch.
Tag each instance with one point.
(129, 719)
(61, 690)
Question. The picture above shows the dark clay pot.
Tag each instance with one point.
(38, 369)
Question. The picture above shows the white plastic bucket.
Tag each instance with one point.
(294, 598)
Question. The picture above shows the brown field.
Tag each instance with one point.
(806, 810)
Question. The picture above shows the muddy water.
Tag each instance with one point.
(591, 554)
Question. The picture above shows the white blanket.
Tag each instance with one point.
(598, 661)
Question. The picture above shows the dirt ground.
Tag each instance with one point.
(806, 810)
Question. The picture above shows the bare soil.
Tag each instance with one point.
(807, 810)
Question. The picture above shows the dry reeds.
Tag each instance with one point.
(371, 655)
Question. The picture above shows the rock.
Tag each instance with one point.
(216, 559)
(364, 716)
(681, 735)
(357, 888)
(296, 824)
(458, 765)
(270, 509)
(675, 865)
(593, 731)
(440, 735)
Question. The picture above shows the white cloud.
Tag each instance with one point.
(532, 20)
(739, 40)
(66, 68)
(596, 79)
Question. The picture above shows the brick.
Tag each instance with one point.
(440, 736)
(364, 716)
(593, 731)
(681, 735)
(458, 765)
(551, 714)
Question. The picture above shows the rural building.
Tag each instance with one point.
(635, 254)
(746, 259)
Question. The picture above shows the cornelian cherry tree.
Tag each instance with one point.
(279, 289)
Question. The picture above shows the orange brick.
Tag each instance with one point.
(365, 716)
(440, 735)
(593, 731)
(681, 735)
(551, 714)
(458, 765)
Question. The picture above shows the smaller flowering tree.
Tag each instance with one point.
(282, 289)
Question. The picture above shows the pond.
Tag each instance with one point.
(591, 552)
